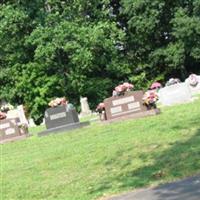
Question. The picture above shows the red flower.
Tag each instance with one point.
(2, 115)
(128, 85)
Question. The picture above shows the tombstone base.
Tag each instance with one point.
(13, 139)
(64, 128)
(135, 115)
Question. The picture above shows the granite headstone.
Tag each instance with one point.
(85, 109)
(130, 104)
(61, 118)
(10, 130)
(175, 94)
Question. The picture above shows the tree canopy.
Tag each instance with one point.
(74, 48)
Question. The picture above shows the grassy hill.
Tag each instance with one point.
(101, 160)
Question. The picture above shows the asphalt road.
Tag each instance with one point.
(187, 189)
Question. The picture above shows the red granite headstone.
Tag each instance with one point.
(130, 104)
(10, 131)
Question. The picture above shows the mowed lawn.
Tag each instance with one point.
(104, 159)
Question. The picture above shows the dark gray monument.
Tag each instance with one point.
(61, 118)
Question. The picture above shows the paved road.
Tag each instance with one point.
(188, 189)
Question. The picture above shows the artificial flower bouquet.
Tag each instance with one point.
(58, 101)
(155, 86)
(150, 98)
(2, 115)
(6, 107)
(100, 108)
(193, 80)
(121, 89)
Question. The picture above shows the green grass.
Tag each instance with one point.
(101, 160)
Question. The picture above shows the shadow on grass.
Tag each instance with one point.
(180, 160)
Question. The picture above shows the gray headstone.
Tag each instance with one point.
(175, 94)
(60, 116)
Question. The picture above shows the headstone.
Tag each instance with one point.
(85, 110)
(10, 131)
(61, 118)
(194, 87)
(31, 123)
(18, 113)
(130, 104)
(12, 114)
(21, 115)
(175, 94)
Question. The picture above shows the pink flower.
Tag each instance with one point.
(155, 85)
(58, 101)
(120, 88)
(150, 97)
(128, 85)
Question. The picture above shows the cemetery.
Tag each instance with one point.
(101, 158)
(136, 115)
(100, 100)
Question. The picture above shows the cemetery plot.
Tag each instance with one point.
(60, 118)
(129, 105)
(11, 130)
(175, 94)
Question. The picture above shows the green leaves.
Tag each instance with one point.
(84, 48)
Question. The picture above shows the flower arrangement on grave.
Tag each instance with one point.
(58, 101)
(6, 107)
(173, 81)
(193, 80)
(155, 86)
(2, 115)
(100, 108)
(121, 89)
(23, 127)
(150, 98)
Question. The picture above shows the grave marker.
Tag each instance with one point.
(129, 105)
(61, 118)
(175, 94)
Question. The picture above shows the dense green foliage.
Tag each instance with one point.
(84, 48)
(103, 159)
